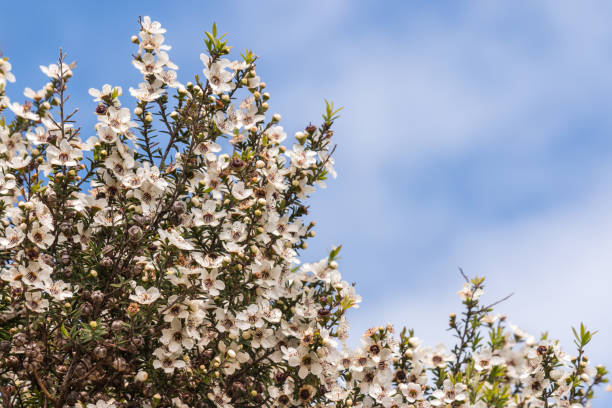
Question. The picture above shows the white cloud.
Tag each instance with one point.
(471, 88)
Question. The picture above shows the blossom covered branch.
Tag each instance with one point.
(156, 263)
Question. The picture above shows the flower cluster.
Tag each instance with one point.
(156, 264)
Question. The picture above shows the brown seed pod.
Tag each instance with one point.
(101, 109)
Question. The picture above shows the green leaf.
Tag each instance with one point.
(334, 252)
(64, 331)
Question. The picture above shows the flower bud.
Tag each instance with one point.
(141, 376)
(93, 324)
(556, 374)
(276, 117)
(138, 111)
(134, 39)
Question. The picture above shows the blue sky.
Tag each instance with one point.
(474, 134)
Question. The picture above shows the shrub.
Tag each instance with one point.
(156, 264)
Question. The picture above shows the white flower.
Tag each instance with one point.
(210, 283)
(152, 42)
(59, 290)
(232, 234)
(175, 238)
(118, 119)
(450, 393)
(467, 292)
(13, 236)
(107, 134)
(7, 183)
(65, 155)
(152, 27)
(438, 357)
(41, 236)
(208, 214)
(53, 71)
(5, 72)
(167, 361)
(276, 134)
(23, 111)
(309, 363)
(250, 317)
(240, 192)
(19, 161)
(485, 360)
(175, 338)
(218, 78)
(106, 91)
(412, 391)
(536, 383)
(250, 117)
(148, 196)
(169, 77)
(148, 92)
(36, 95)
(302, 158)
(208, 149)
(220, 398)
(40, 136)
(103, 404)
(145, 296)
(148, 64)
(35, 302)
(36, 273)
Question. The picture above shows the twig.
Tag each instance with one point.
(464, 275)
(42, 385)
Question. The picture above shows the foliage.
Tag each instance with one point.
(156, 263)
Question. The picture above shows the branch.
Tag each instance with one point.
(41, 384)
